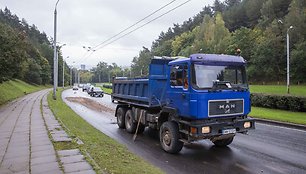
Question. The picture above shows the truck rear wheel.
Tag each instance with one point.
(169, 137)
(129, 124)
(224, 142)
(120, 114)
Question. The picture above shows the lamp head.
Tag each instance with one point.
(280, 21)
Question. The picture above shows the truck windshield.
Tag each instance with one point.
(224, 77)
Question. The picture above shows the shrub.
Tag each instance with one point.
(293, 103)
(109, 86)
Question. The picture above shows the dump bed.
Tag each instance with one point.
(146, 92)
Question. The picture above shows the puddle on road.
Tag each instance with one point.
(91, 104)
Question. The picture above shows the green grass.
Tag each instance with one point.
(108, 154)
(13, 89)
(106, 90)
(279, 115)
(279, 89)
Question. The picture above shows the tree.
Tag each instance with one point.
(163, 49)
(296, 18)
(231, 3)
(298, 63)
(218, 6)
(180, 42)
(268, 63)
(11, 53)
(245, 40)
(273, 9)
(21, 45)
(140, 64)
(33, 73)
(252, 11)
(235, 17)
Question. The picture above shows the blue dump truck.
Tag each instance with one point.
(205, 96)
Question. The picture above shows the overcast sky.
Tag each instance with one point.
(90, 22)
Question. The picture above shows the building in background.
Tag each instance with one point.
(82, 67)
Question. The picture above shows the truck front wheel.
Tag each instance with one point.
(121, 117)
(224, 142)
(169, 137)
(129, 123)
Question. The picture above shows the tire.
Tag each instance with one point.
(120, 114)
(102, 95)
(224, 142)
(169, 137)
(129, 124)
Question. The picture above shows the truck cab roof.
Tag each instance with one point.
(217, 59)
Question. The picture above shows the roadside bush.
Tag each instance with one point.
(284, 102)
(107, 86)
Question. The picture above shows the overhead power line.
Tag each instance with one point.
(135, 24)
(94, 48)
(105, 41)
(144, 24)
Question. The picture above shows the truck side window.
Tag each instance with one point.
(179, 76)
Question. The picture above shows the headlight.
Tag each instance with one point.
(247, 124)
(206, 130)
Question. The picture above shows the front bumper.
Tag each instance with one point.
(217, 127)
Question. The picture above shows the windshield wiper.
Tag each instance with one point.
(220, 85)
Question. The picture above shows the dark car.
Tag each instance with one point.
(96, 92)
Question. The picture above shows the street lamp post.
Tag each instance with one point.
(70, 76)
(55, 65)
(288, 75)
(64, 71)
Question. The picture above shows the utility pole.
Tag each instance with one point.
(64, 71)
(55, 64)
(79, 76)
(288, 55)
(71, 76)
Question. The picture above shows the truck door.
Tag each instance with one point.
(178, 92)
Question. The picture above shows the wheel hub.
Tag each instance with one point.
(167, 138)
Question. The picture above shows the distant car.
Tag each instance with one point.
(80, 85)
(85, 87)
(89, 89)
(97, 92)
(75, 88)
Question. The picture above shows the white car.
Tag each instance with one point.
(75, 88)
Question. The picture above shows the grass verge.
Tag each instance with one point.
(279, 115)
(106, 152)
(106, 90)
(13, 89)
(279, 89)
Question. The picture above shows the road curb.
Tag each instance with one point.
(284, 124)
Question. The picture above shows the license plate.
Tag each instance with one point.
(228, 131)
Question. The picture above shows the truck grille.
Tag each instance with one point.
(225, 107)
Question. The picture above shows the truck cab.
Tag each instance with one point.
(208, 86)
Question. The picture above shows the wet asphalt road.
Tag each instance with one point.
(268, 149)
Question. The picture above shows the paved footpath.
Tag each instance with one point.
(25, 147)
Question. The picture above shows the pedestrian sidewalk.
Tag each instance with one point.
(25, 147)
